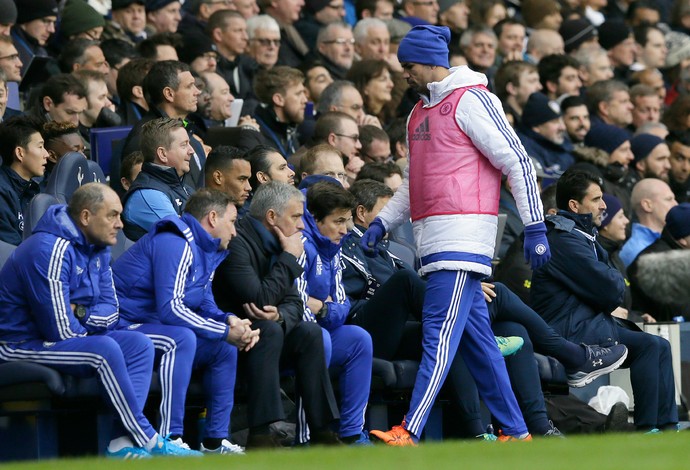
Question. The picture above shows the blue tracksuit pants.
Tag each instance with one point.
(454, 304)
(122, 359)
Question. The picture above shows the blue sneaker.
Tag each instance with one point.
(600, 361)
(654, 431)
(363, 441)
(509, 345)
(128, 453)
(166, 446)
(487, 437)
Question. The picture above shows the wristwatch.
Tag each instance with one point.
(323, 312)
(80, 312)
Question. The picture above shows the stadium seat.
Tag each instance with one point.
(96, 172)
(70, 173)
(37, 207)
(5, 251)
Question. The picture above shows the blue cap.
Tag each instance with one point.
(426, 45)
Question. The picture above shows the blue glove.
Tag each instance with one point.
(372, 237)
(537, 251)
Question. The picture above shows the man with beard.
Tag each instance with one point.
(576, 119)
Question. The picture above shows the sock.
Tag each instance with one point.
(152, 443)
(120, 443)
(212, 443)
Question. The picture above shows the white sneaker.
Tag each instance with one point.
(226, 447)
(180, 443)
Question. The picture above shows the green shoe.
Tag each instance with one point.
(509, 345)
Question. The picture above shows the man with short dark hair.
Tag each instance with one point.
(83, 54)
(258, 280)
(228, 170)
(559, 76)
(679, 176)
(228, 31)
(23, 158)
(171, 92)
(62, 99)
(160, 188)
(577, 291)
(130, 90)
(164, 287)
(268, 165)
(376, 146)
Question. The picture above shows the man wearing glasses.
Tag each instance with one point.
(11, 66)
(335, 47)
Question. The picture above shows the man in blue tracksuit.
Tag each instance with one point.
(58, 308)
(164, 285)
(329, 208)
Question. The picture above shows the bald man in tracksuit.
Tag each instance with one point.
(459, 144)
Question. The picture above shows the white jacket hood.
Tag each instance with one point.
(459, 77)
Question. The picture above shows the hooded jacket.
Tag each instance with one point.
(576, 291)
(52, 269)
(322, 276)
(166, 277)
(463, 237)
(15, 195)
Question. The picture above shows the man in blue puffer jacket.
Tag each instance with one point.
(329, 208)
(58, 308)
(164, 284)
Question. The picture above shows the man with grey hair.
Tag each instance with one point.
(258, 280)
(595, 65)
(543, 42)
(479, 45)
(609, 103)
(372, 39)
(264, 40)
(335, 48)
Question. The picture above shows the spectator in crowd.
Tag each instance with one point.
(83, 54)
(340, 131)
(160, 46)
(130, 168)
(326, 160)
(542, 14)
(117, 53)
(329, 209)
(581, 278)
(372, 39)
(247, 8)
(199, 52)
(258, 281)
(415, 13)
(595, 65)
(674, 236)
(170, 91)
(4, 96)
(228, 30)
(264, 40)
(387, 173)
(643, 12)
(23, 158)
(514, 82)
(577, 33)
(60, 138)
(69, 330)
(130, 89)
(541, 43)
(455, 15)
(479, 46)
(268, 165)
(196, 15)
(576, 119)
(316, 79)
(10, 63)
(343, 96)
(376, 147)
(486, 13)
(99, 110)
(316, 15)
(163, 16)
(558, 75)
(177, 311)
(543, 134)
(335, 48)
(397, 132)
(652, 158)
(679, 176)
(676, 116)
(373, 80)
(128, 21)
(650, 47)
(228, 170)
(651, 200)
(62, 98)
(78, 19)
(646, 105)
(608, 102)
(35, 25)
(511, 39)
(293, 49)
(8, 17)
(160, 189)
(283, 100)
(652, 78)
(617, 38)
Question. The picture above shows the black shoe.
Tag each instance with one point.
(617, 420)
(599, 361)
(325, 438)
